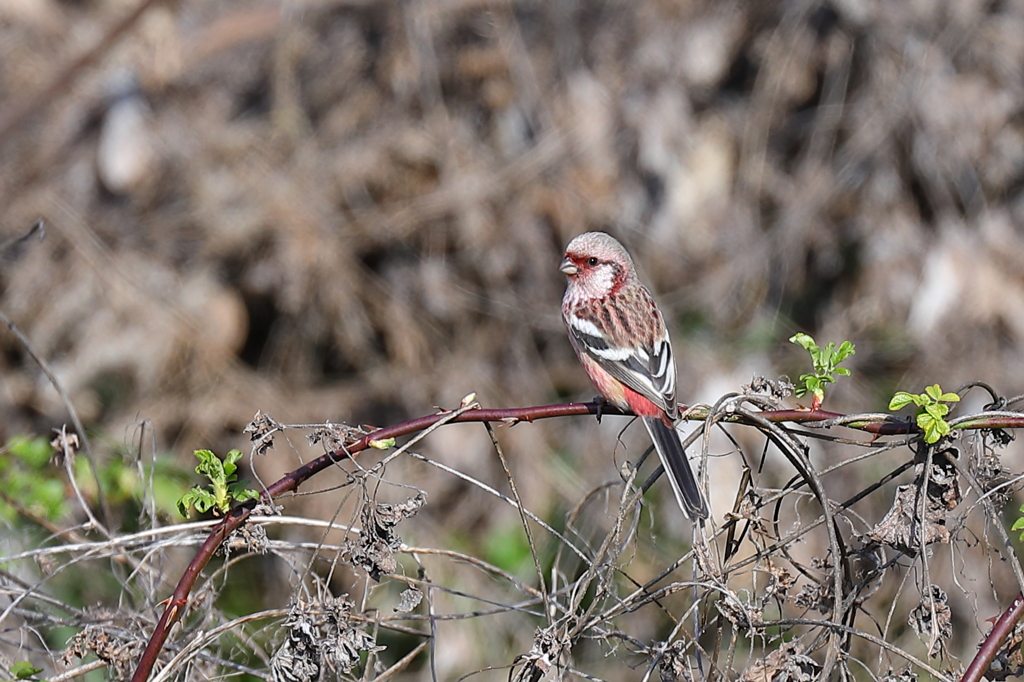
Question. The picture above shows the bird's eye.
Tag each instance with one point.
(591, 261)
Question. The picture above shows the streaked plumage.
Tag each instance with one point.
(620, 337)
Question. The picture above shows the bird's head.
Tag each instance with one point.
(596, 264)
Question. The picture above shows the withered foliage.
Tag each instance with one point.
(321, 633)
(785, 664)
(904, 527)
(345, 212)
(117, 647)
(931, 619)
(374, 550)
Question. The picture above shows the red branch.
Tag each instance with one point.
(219, 533)
(179, 599)
(1000, 631)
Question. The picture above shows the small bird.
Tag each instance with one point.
(619, 335)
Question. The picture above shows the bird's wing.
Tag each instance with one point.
(648, 369)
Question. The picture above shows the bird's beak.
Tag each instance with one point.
(568, 267)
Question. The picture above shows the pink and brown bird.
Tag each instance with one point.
(620, 337)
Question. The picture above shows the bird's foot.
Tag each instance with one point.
(601, 402)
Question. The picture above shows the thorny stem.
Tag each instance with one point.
(237, 516)
(878, 425)
(990, 647)
(1004, 626)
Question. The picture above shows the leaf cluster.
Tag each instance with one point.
(931, 413)
(826, 363)
(224, 487)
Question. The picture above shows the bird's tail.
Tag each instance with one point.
(677, 466)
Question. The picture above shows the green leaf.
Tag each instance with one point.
(209, 466)
(185, 502)
(933, 428)
(824, 359)
(1018, 524)
(933, 392)
(950, 397)
(846, 349)
(201, 500)
(239, 493)
(23, 670)
(901, 400)
(805, 342)
(801, 389)
(229, 465)
(204, 501)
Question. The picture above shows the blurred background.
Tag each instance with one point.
(354, 211)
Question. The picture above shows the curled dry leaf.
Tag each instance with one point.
(374, 549)
(932, 620)
(112, 645)
(779, 583)
(775, 389)
(261, 432)
(901, 526)
(783, 665)
(549, 646)
(254, 536)
(321, 631)
(673, 666)
(337, 436)
(409, 600)
(64, 445)
(736, 612)
(346, 646)
(345, 639)
(298, 659)
(817, 595)
(902, 675)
